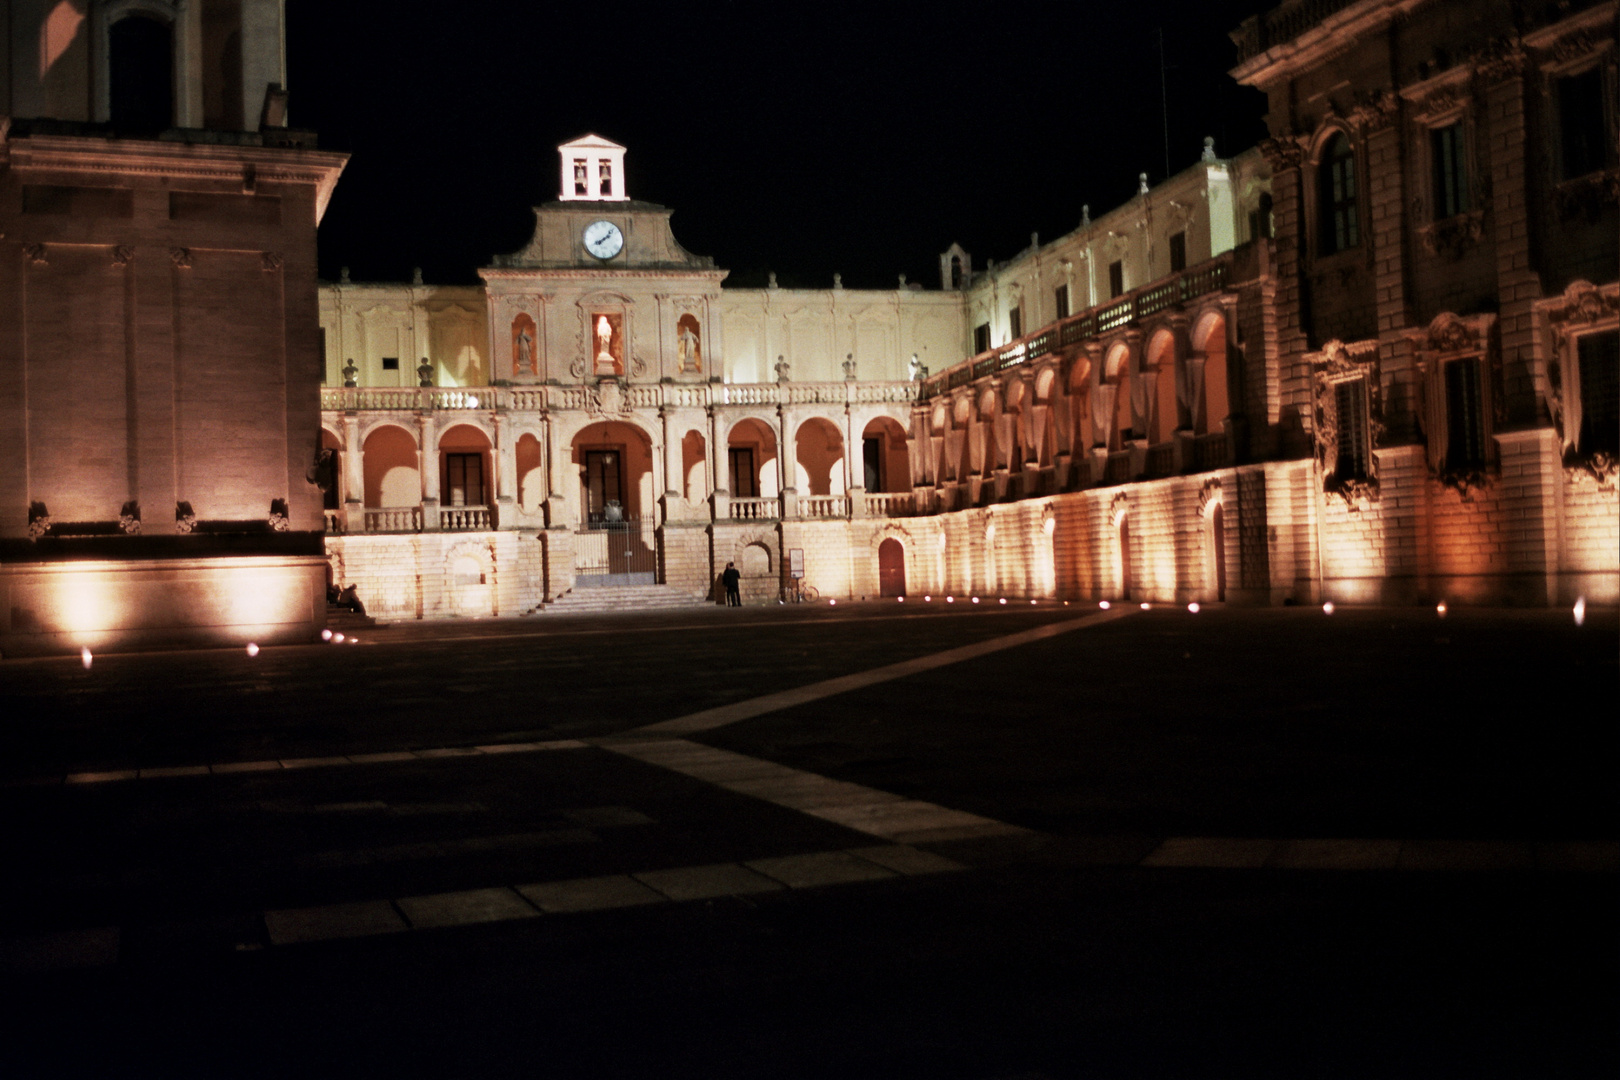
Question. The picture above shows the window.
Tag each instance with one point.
(140, 75)
(1465, 417)
(1116, 278)
(1354, 456)
(604, 176)
(956, 271)
(1598, 359)
(1178, 252)
(1260, 218)
(1060, 301)
(1015, 322)
(390, 363)
(1450, 176)
(744, 480)
(981, 338)
(464, 479)
(582, 184)
(1336, 180)
(1580, 123)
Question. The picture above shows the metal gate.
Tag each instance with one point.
(617, 553)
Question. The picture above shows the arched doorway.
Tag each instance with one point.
(1218, 530)
(1124, 566)
(891, 568)
(617, 541)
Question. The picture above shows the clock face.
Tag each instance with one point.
(603, 239)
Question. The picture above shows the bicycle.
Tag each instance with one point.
(803, 592)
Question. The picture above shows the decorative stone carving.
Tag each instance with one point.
(35, 253)
(1585, 198)
(1209, 495)
(1282, 154)
(424, 372)
(1600, 469)
(129, 518)
(277, 520)
(1440, 101)
(181, 257)
(607, 399)
(351, 374)
(185, 520)
(1576, 45)
(1502, 59)
(39, 520)
(1454, 237)
(122, 256)
(1376, 110)
(1338, 363)
(1448, 333)
(784, 370)
(1118, 508)
(270, 260)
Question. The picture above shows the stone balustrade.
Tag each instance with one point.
(637, 396)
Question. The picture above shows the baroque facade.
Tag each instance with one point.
(1373, 360)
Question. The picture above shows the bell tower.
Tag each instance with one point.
(592, 170)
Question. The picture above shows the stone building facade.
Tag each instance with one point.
(159, 361)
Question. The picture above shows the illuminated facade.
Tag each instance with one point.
(158, 329)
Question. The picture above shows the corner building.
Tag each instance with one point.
(1373, 360)
(159, 350)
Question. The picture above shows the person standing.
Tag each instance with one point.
(732, 581)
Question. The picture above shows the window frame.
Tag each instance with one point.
(1330, 203)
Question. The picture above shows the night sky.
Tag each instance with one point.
(802, 138)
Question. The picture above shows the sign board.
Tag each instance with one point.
(796, 562)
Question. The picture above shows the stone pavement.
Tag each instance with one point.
(967, 843)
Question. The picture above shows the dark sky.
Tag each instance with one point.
(801, 138)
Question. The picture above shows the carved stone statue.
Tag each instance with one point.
(525, 350)
(424, 372)
(783, 369)
(687, 345)
(604, 346)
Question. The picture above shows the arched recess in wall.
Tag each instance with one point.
(1043, 429)
(614, 461)
(1211, 508)
(891, 568)
(1114, 410)
(1209, 347)
(391, 475)
(469, 578)
(986, 411)
(694, 466)
(1120, 518)
(140, 71)
(531, 473)
(819, 456)
(1161, 367)
(751, 460)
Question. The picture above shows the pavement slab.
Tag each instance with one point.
(465, 908)
(708, 882)
(591, 894)
(327, 922)
(820, 868)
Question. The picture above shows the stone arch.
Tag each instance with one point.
(392, 466)
(530, 461)
(465, 460)
(694, 482)
(891, 565)
(1333, 147)
(1162, 366)
(1111, 411)
(1211, 507)
(614, 462)
(110, 23)
(1212, 404)
(885, 456)
(819, 451)
(751, 467)
(1119, 518)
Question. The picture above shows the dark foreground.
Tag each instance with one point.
(1239, 843)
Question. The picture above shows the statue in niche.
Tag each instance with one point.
(525, 350)
(689, 346)
(605, 360)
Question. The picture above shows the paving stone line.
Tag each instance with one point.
(720, 716)
(1249, 853)
(225, 768)
(854, 806)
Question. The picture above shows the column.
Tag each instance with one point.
(786, 447)
(354, 476)
(558, 460)
(427, 464)
(505, 479)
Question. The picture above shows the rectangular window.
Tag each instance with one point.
(464, 479)
(582, 184)
(1336, 187)
(1581, 131)
(1178, 252)
(604, 175)
(1354, 457)
(1060, 301)
(1465, 417)
(981, 338)
(1599, 362)
(1450, 177)
(390, 363)
(1116, 278)
(744, 480)
(1015, 323)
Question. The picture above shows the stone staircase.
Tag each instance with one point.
(607, 600)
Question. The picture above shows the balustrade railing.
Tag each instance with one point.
(823, 506)
(334, 522)
(890, 504)
(1166, 293)
(751, 509)
(464, 518)
(393, 519)
(1212, 451)
(636, 396)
